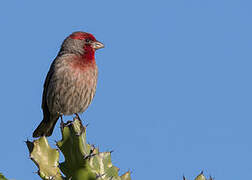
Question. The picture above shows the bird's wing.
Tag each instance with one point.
(49, 78)
(45, 108)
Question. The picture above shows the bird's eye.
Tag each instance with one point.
(88, 40)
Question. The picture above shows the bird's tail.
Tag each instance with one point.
(46, 127)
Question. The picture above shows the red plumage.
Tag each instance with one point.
(70, 84)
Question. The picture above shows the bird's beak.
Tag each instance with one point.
(97, 45)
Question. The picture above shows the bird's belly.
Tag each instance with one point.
(74, 92)
(75, 100)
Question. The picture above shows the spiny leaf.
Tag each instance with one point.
(46, 159)
(2, 177)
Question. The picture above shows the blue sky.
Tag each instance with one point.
(174, 88)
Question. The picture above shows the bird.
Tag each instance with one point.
(70, 84)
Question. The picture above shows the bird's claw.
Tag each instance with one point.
(77, 116)
(61, 122)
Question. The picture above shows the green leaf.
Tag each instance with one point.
(45, 158)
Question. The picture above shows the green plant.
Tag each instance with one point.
(2, 177)
(82, 160)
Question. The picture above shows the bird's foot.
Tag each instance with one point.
(61, 122)
(77, 116)
(82, 127)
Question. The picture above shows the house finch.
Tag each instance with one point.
(70, 84)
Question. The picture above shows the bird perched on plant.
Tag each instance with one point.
(70, 84)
